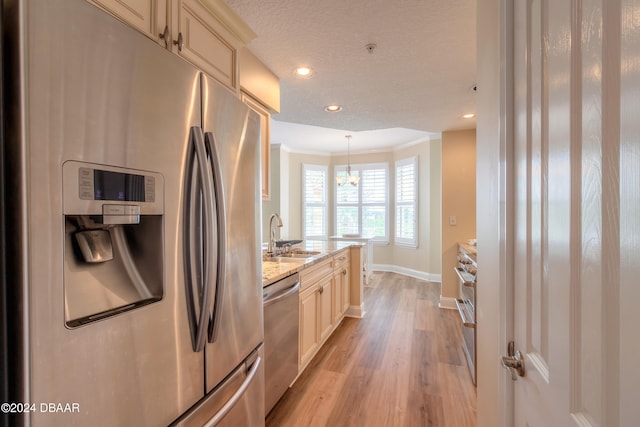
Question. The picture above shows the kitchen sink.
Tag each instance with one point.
(296, 256)
(300, 254)
(280, 259)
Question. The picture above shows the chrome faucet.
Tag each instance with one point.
(272, 232)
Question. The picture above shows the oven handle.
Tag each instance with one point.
(467, 283)
(469, 323)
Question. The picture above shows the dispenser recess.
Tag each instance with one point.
(114, 241)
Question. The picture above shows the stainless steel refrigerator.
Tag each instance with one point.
(131, 284)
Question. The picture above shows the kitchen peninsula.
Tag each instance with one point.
(330, 288)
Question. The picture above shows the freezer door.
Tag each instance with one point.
(100, 93)
(235, 402)
(233, 132)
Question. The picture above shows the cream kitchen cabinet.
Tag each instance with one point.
(265, 148)
(206, 33)
(316, 320)
(325, 288)
(341, 275)
(324, 300)
(147, 16)
(260, 89)
(211, 36)
(308, 339)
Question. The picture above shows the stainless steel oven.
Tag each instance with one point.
(466, 270)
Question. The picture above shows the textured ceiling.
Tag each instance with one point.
(418, 77)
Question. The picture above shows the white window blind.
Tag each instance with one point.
(314, 201)
(406, 230)
(363, 209)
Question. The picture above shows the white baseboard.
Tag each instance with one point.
(448, 303)
(356, 311)
(422, 275)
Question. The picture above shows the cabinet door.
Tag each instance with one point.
(338, 283)
(265, 148)
(201, 40)
(147, 16)
(326, 307)
(346, 288)
(308, 324)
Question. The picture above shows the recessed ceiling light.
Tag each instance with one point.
(469, 116)
(333, 108)
(303, 72)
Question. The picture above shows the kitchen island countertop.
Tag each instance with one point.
(273, 271)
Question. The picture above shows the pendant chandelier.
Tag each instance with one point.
(351, 179)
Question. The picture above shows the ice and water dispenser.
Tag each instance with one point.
(114, 240)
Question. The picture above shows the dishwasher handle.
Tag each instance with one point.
(280, 295)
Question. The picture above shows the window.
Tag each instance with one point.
(363, 209)
(406, 232)
(314, 201)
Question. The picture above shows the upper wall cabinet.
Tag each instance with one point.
(147, 16)
(260, 90)
(265, 148)
(206, 33)
(211, 36)
(259, 81)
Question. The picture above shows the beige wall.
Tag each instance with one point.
(458, 200)
(294, 189)
(425, 259)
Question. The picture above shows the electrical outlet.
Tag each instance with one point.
(452, 220)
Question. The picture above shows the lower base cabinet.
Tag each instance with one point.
(308, 325)
(324, 299)
(316, 321)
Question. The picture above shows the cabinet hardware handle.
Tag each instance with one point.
(344, 272)
(165, 36)
(179, 42)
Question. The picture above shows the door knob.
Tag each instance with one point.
(514, 362)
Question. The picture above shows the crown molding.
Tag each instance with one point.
(229, 20)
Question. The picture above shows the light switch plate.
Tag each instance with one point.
(452, 220)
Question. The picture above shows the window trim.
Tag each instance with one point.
(325, 205)
(381, 240)
(403, 241)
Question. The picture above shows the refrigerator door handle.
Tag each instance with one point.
(236, 396)
(197, 255)
(221, 226)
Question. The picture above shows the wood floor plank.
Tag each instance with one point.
(402, 365)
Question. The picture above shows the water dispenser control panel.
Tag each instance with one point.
(119, 195)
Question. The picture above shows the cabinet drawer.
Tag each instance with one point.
(315, 273)
(342, 258)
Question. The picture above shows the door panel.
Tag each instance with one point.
(577, 174)
(236, 131)
(98, 93)
(628, 289)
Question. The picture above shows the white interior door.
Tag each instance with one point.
(577, 211)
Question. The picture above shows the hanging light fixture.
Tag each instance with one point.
(351, 179)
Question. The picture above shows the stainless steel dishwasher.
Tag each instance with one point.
(280, 301)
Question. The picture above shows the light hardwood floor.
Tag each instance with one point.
(402, 365)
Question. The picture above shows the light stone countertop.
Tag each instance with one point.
(274, 271)
(472, 250)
